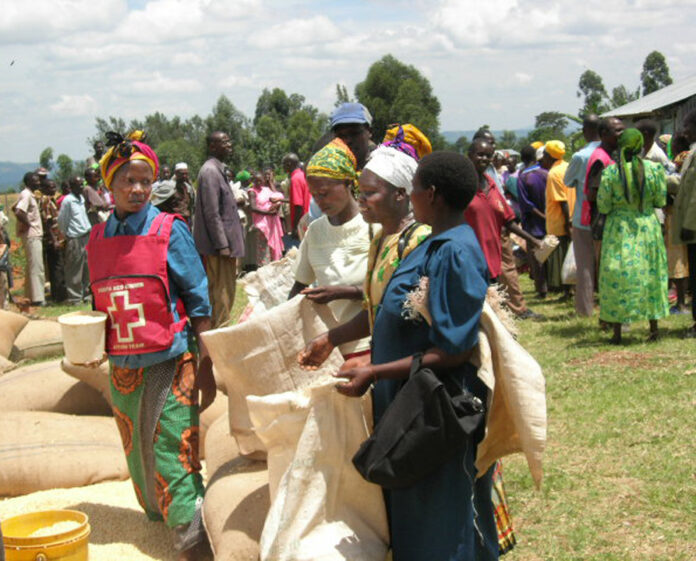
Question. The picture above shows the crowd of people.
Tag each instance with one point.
(372, 220)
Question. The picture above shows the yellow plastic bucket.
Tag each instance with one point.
(65, 544)
(83, 336)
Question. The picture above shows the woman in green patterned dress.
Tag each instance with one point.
(633, 267)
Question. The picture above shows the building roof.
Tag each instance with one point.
(657, 100)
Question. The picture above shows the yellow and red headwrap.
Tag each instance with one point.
(124, 150)
(408, 139)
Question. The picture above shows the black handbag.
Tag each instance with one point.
(428, 422)
(597, 226)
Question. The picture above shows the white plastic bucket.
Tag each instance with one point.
(83, 336)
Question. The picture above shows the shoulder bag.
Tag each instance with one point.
(429, 420)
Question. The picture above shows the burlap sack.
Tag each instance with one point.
(270, 285)
(10, 326)
(45, 387)
(321, 507)
(41, 450)
(259, 357)
(209, 416)
(220, 445)
(5, 364)
(97, 377)
(235, 508)
(516, 418)
(40, 338)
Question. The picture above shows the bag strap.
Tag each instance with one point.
(405, 237)
(416, 364)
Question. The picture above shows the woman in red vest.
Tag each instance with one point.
(146, 275)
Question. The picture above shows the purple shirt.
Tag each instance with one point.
(531, 187)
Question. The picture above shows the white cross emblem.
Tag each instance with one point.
(116, 314)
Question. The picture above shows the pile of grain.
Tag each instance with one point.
(54, 529)
(120, 529)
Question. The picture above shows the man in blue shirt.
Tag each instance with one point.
(75, 225)
(583, 245)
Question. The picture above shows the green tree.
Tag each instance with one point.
(549, 125)
(65, 168)
(115, 124)
(176, 150)
(462, 144)
(46, 158)
(303, 129)
(397, 93)
(508, 139)
(272, 143)
(655, 74)
(591, 86)
(621, 95)
(227, 118)
(342, 95)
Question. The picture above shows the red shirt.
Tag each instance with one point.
(487, 213)
(299, 193)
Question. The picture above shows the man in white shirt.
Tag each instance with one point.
(30, 230)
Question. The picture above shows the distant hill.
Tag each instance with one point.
(11, 174)
(452, 136)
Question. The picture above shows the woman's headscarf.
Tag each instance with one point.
(396, 159)
(124, 150)
(408, 139)
(335, 161)
(395, 167)
(630, 163)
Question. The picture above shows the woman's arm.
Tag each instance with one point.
(296, 289)
(257, 210)
(326, 294)
(604, 191)
(205, 381)
(515, 229)
(359, 379)
(319, 348)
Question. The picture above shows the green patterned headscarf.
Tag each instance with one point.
(631, 168)
(335, 161)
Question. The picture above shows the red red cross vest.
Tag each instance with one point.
(586, 210)
(130, 283)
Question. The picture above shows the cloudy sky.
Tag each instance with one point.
(499, 62)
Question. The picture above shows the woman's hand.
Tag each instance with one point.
(316, 352)
(326, 294)
(205, 382)
(358, 375)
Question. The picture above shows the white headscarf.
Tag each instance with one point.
(393, 166)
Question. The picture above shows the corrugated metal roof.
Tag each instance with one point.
(656, 100)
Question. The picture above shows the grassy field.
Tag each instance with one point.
(620, 467)
(619, 478)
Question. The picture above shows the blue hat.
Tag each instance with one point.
(351, 113)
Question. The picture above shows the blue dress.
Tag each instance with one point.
(447, 516)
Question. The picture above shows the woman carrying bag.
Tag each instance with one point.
(448, 513)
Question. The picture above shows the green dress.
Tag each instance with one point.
(633, 267)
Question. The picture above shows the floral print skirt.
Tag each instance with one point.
(633, 269)
(156, 412)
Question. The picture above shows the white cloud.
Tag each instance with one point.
(187, 59)
(129, 58)
(296, 32)
(38, 21)
(159, 84)
(240, 82)
(75, 105)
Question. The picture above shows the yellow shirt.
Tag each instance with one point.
(558, 192)
(381, 267)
